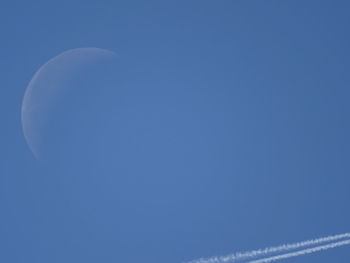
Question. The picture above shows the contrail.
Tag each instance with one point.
(302, 252)
(270, 250)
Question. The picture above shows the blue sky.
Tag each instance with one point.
(228, 121)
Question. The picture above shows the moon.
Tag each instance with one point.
(52, 90)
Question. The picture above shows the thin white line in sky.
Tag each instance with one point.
(302, 252)
(270, 250)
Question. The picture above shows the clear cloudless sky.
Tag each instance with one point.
(237, 137)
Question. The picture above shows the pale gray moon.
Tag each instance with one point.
(47, 87)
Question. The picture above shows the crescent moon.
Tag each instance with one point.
(47, 87)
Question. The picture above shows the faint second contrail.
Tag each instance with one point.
(302, 252)
(270, 250)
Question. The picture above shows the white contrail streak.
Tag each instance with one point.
(302, 252)
(270, 250)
